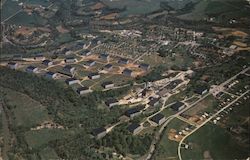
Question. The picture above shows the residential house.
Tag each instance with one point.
(112, 102)
(127, 72)
(83, 90)
(201, 90)
(51, 75)
(99, 132)
(13, 65)
(135, 128)
(104, 56)
(85, 53)
(158, 119)
(47, 63)
(90, 63)
(32, 69)
(108, 67)
(123, 61)
(69, 69)
(70, 60)
(66, 51)
(108, 85)
(144, 66)
(39, 57)
(154, 102)
(177, 106)
(94, 75)
(71, 81)
(131, 113)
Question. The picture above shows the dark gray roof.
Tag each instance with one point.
(12, 63)
(104, 55)
(108, 66)
(144, 65)
(128, 71)
(110, 101)
(50, 73)
(84, 52)
(177, 105)
(70, 57)
(68, 67)
(90, 62)
(97, 131)
(134, 110)
(153, 101)
(123, 60)
(133, 126)
(46, 61)
(82, 89)
(157, 118)
(201, 89)
(173, 84)
(70, 79)
(107, 83)
(31, 67)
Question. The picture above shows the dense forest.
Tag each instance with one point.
(68, 109)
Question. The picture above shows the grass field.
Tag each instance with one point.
(167, 149)
(40, 138)
(10, 10)
(217, 141)
(179, 60)
(206, 105)
(143, 6)
(223, 10)
(48, 153)
(26, 111)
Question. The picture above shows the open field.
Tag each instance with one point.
(97, 79)
(227, 139)
(206, 105)
(221, 9)
(217, 141)
(167, 149)
(40, 138)
(48, 153)
(26, 111)
(134, 7)
(10, 10)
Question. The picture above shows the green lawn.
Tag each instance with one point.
(223, 10)
(48, 153)
(167, 149)
(206, 105)
(27, 112)
(40, 138)
(217, 141)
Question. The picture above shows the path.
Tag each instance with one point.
(205, 122)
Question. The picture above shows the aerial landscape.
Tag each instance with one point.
(125, 80)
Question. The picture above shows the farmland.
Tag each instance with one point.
(124, 79)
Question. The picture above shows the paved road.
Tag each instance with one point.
(152, 147)
(232, 78)
(169, 119)
(13, 15)
(205, 122)
(137, 59)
